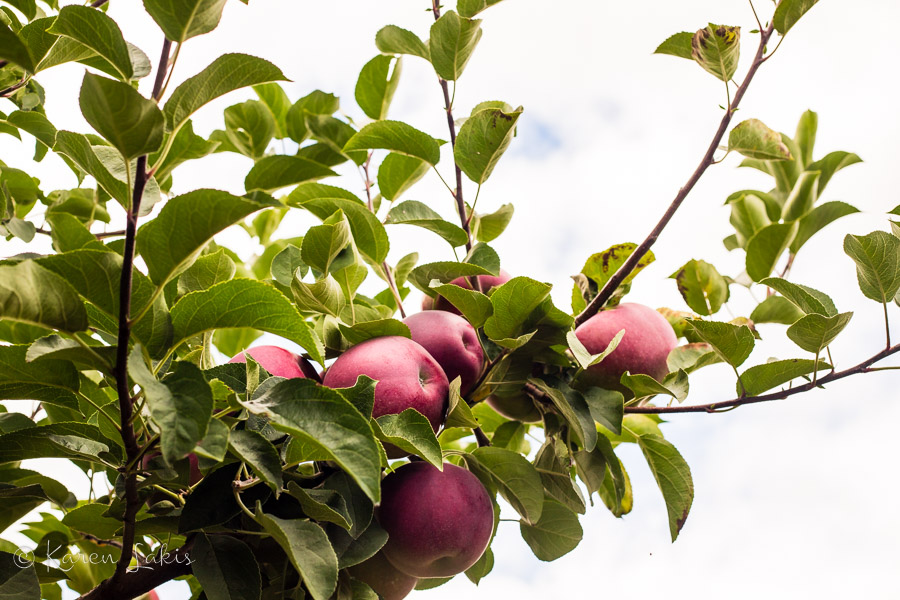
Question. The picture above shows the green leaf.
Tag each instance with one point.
(411, 432)
(673, 476)
(277, 171)
(776, 309)
(227, 73)
(98, 32)
(877, 258)
(171, 242)
(513, 303)
(78, 149)
(322, 504)
(278, 103)
(186, 146)
(802, 197)
(515, 477)
(423, 275)
(760, 378)
(324, 296)
(323, 244)
(807, 299)
(814, 332)
(315, 103)
(323, 419)
(207, 271)
(766, 247)
(555, 476)
(817, 219)
(487, 228)
(368, 330)
(453, 39)
(556, 533)
(20, 379)
(482, 140)
(181, 404)
(395, 40)
(732, 343)
(308, 549)
(607, 408)
(717, 49)
(181, 20)
(243, 303)
(788, 12)
(376, 86)
(225, 567)
(702, 287)
(805, 136)
(753, 139)
(249, 127)
(58, 440)
(470, 8)
(18, 581)
(396, 136)
(98, 358)
(678, 44)
(286, 263)
(474, 306)
(260, 454)
(574, 409)
(13, 50)
(602, 266)
(397, 173)
(831, 164)
(675, 385)
(416, 213)
(89, 518)
(584, 358)
(131, 123)
(33, 295)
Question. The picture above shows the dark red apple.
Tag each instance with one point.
(383, 577)
(407, 376)
(643, 349)
(438, 522)
(452, 341)
(487, 282)
(279, 362)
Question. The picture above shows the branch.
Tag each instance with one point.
(606, 293)
(141, 580)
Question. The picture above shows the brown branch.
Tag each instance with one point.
(708, 159)
(144, 578)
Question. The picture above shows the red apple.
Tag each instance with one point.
(438, 522)
(407, 376)
(384, 578)
(279, 362)
(487, 282)
(452, 341)
(643, 349)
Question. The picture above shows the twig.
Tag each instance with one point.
(482, 439)
(148, 576)
(613, 283)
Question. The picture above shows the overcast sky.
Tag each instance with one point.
(794, 499)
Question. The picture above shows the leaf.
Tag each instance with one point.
(675, 385)
(31, 294)
(474, 306)
(482, 140)
(323, 244)
(453, 39)
(315, 103)
(171, 242)
(54, 347)
(717, 49)
(181, 20)
(423, 275)
(277, 171)
(78, 149)
(398, 172)
(376, 86)
(513, 303)
(260, 454)
(98, 32)
(470, 8)
(416, 213)
(225, 567)
(877, 258)
(395, 40)
(323, 201)
(308, 549)
(186, 146)
(324, 419)
(515, 477)
(678, 44)
(607, 408)
(207, 271)
(732, 343)
(324, 296)
(249, 127)
(760, 378)
(322, 504)
(487, 228)
(227, 73)
(131, 123)
(602, 266)
(776, 309)
(368, 330)
(817, 219)
(807, 299)
(584, 358)
(802, 197)
(556, 534)
(766, 247)
(814, 332)
(411, 432)
(20, 379)
(702, 287)
(13, 50)
(805, 136)
(57, 440)
(574, 409)
(673, 476)
(181, 404)
(396, 136)
(831, 164)
(788, 12)
(753, 139)
(243, 303)
(18, 581)
(89, 518)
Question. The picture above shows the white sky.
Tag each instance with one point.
(793, 499)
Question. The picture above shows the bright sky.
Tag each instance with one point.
(793, 499)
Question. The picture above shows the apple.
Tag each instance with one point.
(643, 349)
(383, 577)
(519, 407)
(487, 282)
(453, 343)
(407, 375)
(439, 523)
(279, 362)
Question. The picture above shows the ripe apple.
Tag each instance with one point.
(487, 282)
(439, 523)
(384, 578)
(519, 407)
(279, 362)
(453, 343)
(407, 375)
(643, 349)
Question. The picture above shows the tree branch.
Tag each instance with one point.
(141, 580)
(613, 283)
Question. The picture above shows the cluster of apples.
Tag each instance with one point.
(440, 522)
